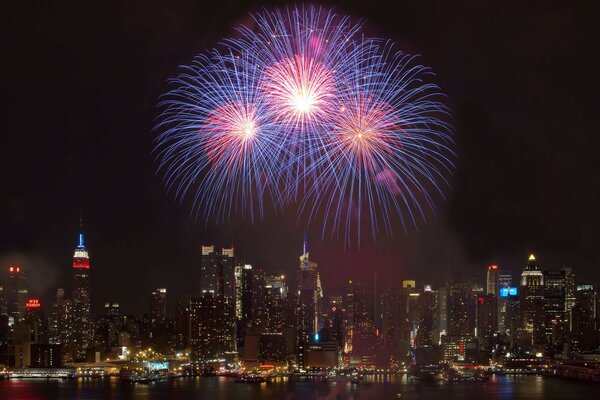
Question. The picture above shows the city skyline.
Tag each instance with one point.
(525, 180)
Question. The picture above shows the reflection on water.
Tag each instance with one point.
(373, 387)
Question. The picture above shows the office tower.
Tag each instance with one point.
(258, 298)
(211, 336)
(487, 312)
(459, 342)
(182, 314)
(532, 304)
(504, 284)
(275, 303)
(584, 335)
(555, 315)
(570, 290)
(15, 293)
(457, 305)
(335, 319)
(442, 317)
(158, 306)
(492, 280)
(217, 271)
(36, 321)
(217, 276)
(61, 326)
(348, 317)
(3, 310)
(427, 317)
(309, 295)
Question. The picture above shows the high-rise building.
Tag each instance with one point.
(218, 277)
(555, 316)
(584, 335)
(570, 289)
(158, 306)
(36, 321)
(275, 303)
(457, 305)
(504, 285)
(532, 304)
(217, 271)
(492, 280)
(61, 326)
(3, 310)
(308, 303)
(211, 336)
(16, 293)
(182, 330)
(487, 310)
(81, 312)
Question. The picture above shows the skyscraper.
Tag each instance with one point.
(82, 319)
(211, 336)
(61, 325)
(532, 304)
(504, 285)
(158, 306)
(492, 280)
(218, 277)
(308, 303)
(217, 271)
(555, 315)
(16, 293)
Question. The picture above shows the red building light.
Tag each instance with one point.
(492, 267)
(33, 303)
(14, 269)
(81, 263)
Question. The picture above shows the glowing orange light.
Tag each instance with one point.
(492, 267)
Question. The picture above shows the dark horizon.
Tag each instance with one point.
(80, 84)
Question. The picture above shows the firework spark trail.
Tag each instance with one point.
(302, 108)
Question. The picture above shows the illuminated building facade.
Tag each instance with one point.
(532, 305)
(555, 316)
(504, 282)
(158, 306)
(211, 336)
(492, 280)
(307, 309)
(15, 293)
(81, 312)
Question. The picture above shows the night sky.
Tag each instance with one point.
(78, 95)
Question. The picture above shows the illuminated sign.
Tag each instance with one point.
(508, 291)
(33, 303)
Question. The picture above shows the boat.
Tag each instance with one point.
(251, 378)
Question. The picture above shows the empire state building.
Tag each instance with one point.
(82, 322)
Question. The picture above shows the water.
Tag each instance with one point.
(400, 387)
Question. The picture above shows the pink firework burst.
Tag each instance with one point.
(299, 91)
(230, 133)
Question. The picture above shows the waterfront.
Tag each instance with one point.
(378, 387)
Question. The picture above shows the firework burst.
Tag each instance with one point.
(303, 108)
(218, 140)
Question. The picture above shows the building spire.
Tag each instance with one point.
(81, 243)
(304, 248)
